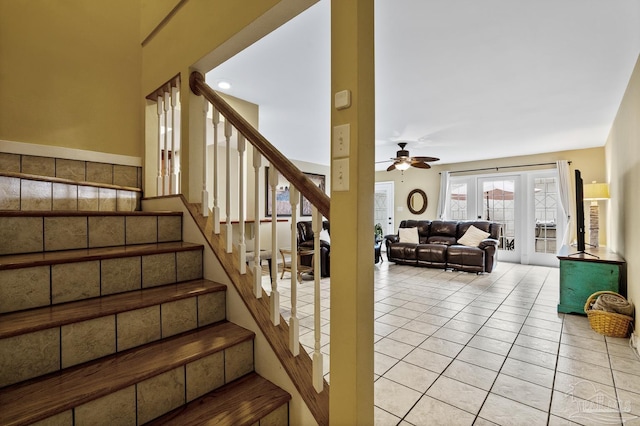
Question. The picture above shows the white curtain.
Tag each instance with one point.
(566, 200)
(444, 195)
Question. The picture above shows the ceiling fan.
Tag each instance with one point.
(403, 160)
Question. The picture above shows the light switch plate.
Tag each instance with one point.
(340, 174)
(341, 140)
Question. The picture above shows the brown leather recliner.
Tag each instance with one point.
(438, 246)
(305, 240)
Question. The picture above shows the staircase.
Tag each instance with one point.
(105, 318)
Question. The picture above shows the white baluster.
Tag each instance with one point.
(275, 296)
(257, 264)
(294, 324)
(228, 228)
(167, 153)
(159, 178)
(316, 224)
(174, 151)
(215, 119)
(205, 194)
(242, 247)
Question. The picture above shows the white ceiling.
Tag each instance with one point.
(461, 80)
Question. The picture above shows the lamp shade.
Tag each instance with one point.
(596, 191)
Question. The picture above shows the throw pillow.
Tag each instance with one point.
(408, 235)
(324, 235)
(473, 237)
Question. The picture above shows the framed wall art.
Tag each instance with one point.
(319, 181)
(282, 204)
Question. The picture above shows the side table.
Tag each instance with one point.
(302, 269)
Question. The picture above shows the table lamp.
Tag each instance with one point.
(594, 192)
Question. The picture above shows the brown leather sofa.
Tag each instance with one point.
(438, 246)
(305, 240)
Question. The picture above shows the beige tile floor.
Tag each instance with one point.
(454, 348)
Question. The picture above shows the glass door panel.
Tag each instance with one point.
(545, 230)
(546, 211)
(497, 202)
(458, 201)
(383, 207)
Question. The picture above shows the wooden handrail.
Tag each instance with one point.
(166, 87)
(307, 188)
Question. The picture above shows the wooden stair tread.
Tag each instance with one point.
(64, 213)
(16, 323)
(41, 398)
(14, 261)
(241, 402)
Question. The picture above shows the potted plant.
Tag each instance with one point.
(378, 232)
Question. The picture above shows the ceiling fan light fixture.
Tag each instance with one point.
(403, 165)
(404, 160)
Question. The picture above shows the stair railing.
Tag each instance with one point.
(299, 184)
(167, 100)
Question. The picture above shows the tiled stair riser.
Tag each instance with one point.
(37, 286)
(31, 234)
(36, 195)
(49, 350)
(76, 170)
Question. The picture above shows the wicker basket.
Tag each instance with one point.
(608, 323)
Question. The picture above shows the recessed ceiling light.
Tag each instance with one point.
(224, 85)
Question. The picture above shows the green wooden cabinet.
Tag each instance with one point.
(583, 274)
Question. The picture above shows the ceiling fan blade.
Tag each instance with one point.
(420, 165)
(425, 159)
(391, 167)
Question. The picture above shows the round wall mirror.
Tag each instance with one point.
(417, 201)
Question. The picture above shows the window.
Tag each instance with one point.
(458, 201)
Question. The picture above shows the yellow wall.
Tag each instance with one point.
(197, 28)
(70, 74)
(153, 13)
(352, 68)
(590, 162)
(623, 170)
